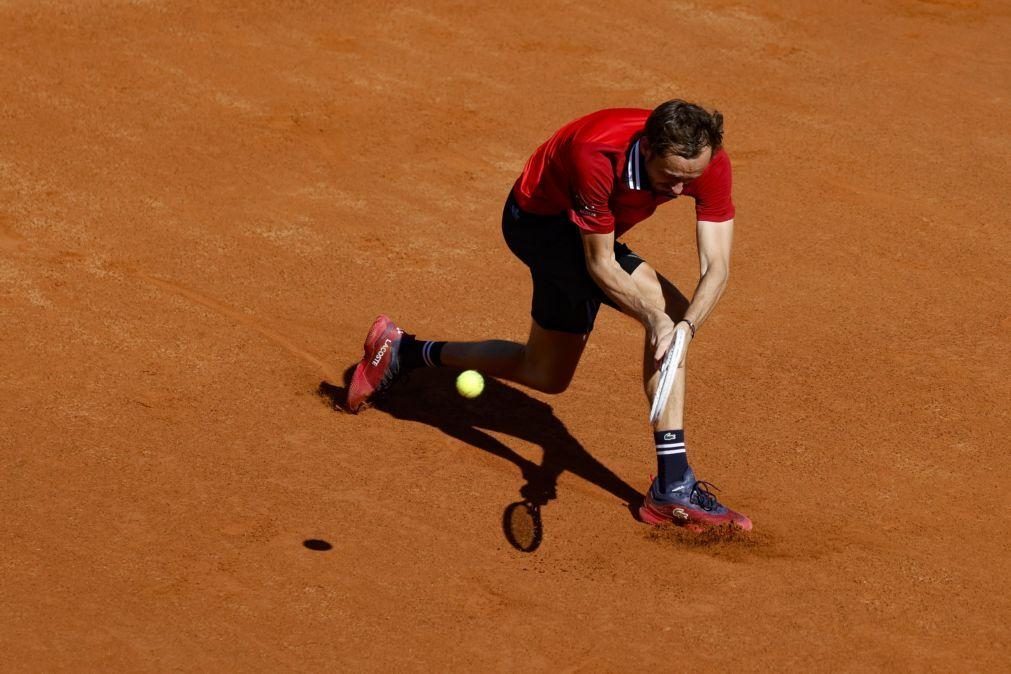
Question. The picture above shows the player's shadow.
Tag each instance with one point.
(429, 396)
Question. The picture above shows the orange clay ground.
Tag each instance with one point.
(202, 210)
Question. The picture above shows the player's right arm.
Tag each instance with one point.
(618, 285)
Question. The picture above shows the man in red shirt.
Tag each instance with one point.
(588, 184)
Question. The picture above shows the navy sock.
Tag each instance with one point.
(420, 353)
(671, 459)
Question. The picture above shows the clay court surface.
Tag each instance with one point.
(202, 208)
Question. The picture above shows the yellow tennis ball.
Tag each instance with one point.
(470, 383)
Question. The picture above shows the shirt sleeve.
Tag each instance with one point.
(713, 201)
(591, 180)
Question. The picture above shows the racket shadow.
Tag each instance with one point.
(429, 397)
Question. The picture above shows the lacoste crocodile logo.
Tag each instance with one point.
(670, 436)
(679, 513)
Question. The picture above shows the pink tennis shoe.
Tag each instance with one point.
(379, 366)
(690, 504)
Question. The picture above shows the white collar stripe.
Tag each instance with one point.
(635, 163)
(638, 179)
(635, 167)
(631, 160)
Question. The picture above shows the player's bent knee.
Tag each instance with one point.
(550, 382)
(550, 359)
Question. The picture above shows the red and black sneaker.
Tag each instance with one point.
(690, 504)
(380, 365)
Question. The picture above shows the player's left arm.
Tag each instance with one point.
(715, 240)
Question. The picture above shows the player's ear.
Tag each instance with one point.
(644, 146)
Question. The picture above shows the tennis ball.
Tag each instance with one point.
(470, 383)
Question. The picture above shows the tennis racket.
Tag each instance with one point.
(668, 370)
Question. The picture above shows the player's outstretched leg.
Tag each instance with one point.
(545, 363)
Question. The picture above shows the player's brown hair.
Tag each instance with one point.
(684, 129)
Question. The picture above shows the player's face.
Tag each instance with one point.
(668, 175)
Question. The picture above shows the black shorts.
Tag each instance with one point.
(565, 297)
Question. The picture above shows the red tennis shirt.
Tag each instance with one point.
(592, 171)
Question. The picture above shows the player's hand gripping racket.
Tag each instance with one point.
(668, 370)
